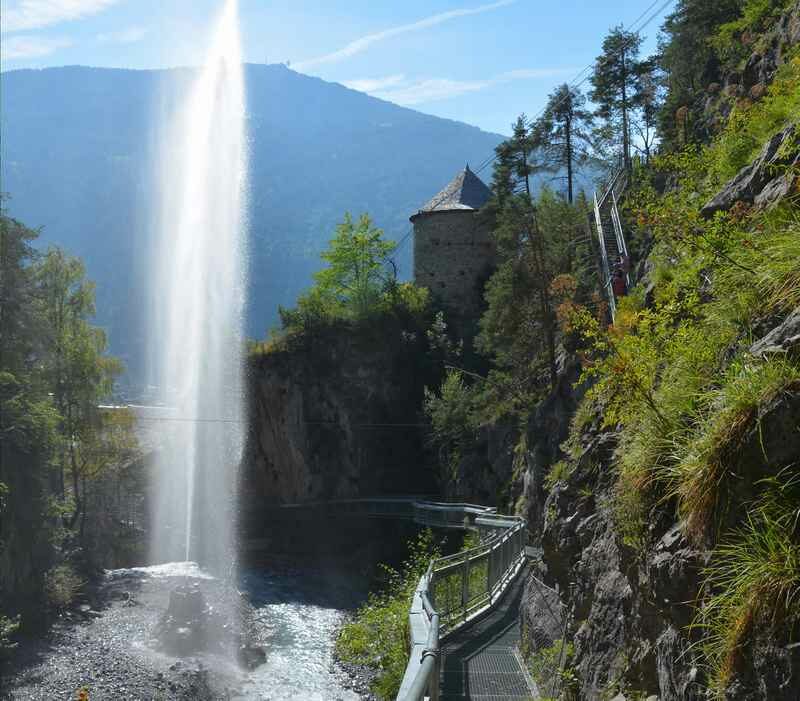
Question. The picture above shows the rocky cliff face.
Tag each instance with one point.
(764, 54)
(335, 414)
(630, 611)
(630, 605)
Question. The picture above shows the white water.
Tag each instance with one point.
(196, 330)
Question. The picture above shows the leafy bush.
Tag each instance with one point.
(750, 125)
(452, 413)
(61, 585)
(552, 667)
(8, 627)
(378, 635)
(558, 472)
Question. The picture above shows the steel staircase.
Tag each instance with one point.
(611, 238)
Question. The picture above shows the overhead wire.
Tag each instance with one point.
(576, 82)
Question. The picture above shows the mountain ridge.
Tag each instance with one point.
(79, 143)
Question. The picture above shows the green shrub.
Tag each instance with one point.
(553, 667)
(750, 125)
(8, 627)
(453, 418)
(378, 635)
(61, 585)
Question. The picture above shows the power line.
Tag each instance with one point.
(577, 81)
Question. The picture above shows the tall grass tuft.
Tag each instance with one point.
(753, 582)
(705, 462)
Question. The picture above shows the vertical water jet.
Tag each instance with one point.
(197, 325)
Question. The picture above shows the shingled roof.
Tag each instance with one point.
(465, 192)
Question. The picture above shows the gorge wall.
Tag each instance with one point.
(335, 413)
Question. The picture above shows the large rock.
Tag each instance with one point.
(771, 176)
(784, 338)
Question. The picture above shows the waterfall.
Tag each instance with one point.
(196, 332)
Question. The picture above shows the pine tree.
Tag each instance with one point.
(566, 129)
(614, 84)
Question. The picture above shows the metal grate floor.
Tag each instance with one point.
(480, 662)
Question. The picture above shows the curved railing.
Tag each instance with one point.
(456, 589)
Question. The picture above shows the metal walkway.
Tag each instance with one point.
(481, 661)
(610, 236)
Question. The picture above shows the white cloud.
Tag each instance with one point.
(363, 43)
(24, 46)
(123, 36)
(34, 14)
(430, 90)
(371, 85)
(397, 89)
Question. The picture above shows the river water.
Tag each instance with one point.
(296, 617)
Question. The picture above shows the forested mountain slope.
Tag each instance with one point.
(77, 150)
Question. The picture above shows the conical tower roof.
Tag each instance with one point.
(464, 192)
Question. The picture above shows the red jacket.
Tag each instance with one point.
(618, 286)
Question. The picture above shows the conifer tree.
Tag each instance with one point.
(566, 129)
(614, 85)
(648, 102)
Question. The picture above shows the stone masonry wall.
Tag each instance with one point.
(453, 256)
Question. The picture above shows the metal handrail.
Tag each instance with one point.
(503, 553)
(605, 271)
(614, 189)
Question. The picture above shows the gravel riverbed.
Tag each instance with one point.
(106, 645)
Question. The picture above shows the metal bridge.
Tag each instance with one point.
(464, 613)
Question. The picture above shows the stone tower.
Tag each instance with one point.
(453, 248)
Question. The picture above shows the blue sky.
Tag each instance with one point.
(478, 61)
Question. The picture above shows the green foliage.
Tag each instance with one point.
(357, 273)
(705, 460)
(614, 86)
(559, 472)
(676, 380)
(358, 286)
(552, 667)
(753, 581)
(536, 247)
(61, 585)
(566, 132)
(754, 16)
(54, 373)
(452, 413)
(378, 635)
(750, 125)
(689, 63)
(8, 627)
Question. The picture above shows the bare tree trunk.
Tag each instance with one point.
(626, 138)
(568, 135)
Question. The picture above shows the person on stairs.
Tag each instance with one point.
(618, 285)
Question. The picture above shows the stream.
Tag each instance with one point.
(106, 646)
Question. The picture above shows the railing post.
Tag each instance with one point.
(433, 689)
(465, 587)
